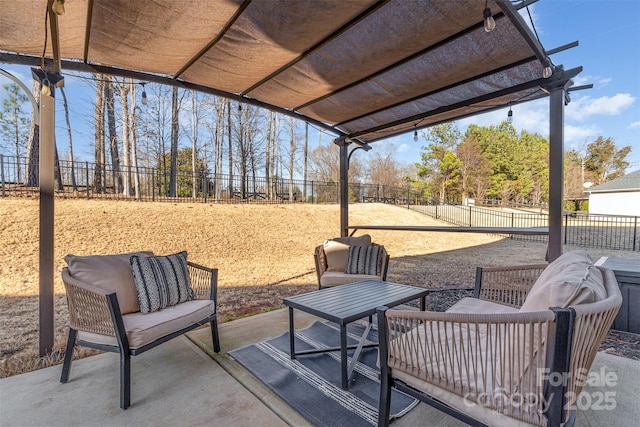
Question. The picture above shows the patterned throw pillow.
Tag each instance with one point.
(364, 260)
(161, 281)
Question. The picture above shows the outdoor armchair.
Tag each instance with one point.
(106, 313)
(517, 354)
(343, 260)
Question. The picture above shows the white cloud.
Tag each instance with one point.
(402, 148)
(584, 107)
(634, 125)
(576, 135)
(597, 81)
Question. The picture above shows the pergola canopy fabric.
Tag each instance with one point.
(364, 69)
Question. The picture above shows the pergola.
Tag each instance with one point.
(364, 70)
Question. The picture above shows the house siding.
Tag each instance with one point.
(615, 203)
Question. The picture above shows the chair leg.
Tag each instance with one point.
(125, 379)
(68, 355)
(384, 406)
(215, 336)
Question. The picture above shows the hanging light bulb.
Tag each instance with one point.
(415, 135)
(548, 71)
(58, 7)
(45, 89)
(510, 116)
(144, 95)
(489, 22)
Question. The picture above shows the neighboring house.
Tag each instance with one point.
(620, 196)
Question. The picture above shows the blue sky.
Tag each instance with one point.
(609, 35)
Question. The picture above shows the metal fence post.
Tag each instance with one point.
(566, 227)
(153, 184)
(635, 232)
(204, 186)
(470, 224)
(86, 177)
(2, 173)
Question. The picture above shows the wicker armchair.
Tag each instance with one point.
(487, 363)
(332, 257)
(97, 321)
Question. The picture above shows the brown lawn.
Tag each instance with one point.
(263, 253)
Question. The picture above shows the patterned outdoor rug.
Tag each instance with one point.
(311, 384)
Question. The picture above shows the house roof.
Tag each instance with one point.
(628, 182)
(363, 69)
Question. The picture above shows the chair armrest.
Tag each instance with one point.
(320, 260)
(204, 281)
(88, 306)
(506, 285)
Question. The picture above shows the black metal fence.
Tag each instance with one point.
(84, 180)
(594, 231)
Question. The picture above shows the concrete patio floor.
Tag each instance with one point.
(179, 384)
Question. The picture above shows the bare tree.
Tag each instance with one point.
(195, 122)
(126, 143)
(98, 177)
(383, 168)
(292, 156)
(306, 158)
(475, 168)
(271, 151)
(216, 129)
(134, 142)
(109, 100)
(325, 163)
(267, 153)
(175, 129)
(230, 152)
(162, 118)
(242, 148)
(74, 184)
(247, 144)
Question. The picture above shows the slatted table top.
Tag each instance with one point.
(346, 303)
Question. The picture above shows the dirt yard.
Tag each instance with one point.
(263, 253)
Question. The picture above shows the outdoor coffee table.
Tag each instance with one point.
(345, 304)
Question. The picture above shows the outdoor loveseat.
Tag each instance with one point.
(350, 259)
(130, 303)
(518, 353)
